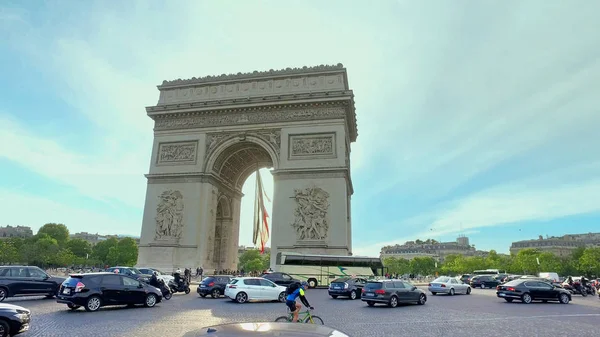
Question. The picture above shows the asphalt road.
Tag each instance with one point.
(480, 314)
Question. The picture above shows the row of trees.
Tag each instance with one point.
(253, 261)
(582, 261)
(53, 247)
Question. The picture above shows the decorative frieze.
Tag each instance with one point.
(272, 136)
(252, 117)
(177, 153)
(317, 145)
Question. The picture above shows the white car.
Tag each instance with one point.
(448, 285)
(244, 289)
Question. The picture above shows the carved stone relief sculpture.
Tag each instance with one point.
(180, 152)
(169, 216)
(312, 206)
(312, 145)
(272, 136)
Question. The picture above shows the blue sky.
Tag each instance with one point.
(474, 117)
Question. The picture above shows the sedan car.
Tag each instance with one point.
(448, 285)
(484, 281)
(347, 286)
(13, 319)
(267, 329)
(213, 286)
(244, 289)
(96, 290)
(528, 291)
(392, 293)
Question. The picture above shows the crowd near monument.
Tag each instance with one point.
(211, 133)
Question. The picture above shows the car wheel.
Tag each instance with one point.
(4, 329)
(526, 298)
(241, 297)
(509, 300)
(353, 295)
(563, 298)
(370, 303)
(333, 296)
(482, 286)
(73, 306)
(393, 301)
(312, 283)
(422, 299)
(281, 297)
(469, 291)
(93, 303)
(452, 292)
(150, 301)
(215, 293)
(3, 294)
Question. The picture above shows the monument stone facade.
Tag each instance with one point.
(212, 133)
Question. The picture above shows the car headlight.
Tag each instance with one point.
(22, 316)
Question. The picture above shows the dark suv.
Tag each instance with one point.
(214, 285)
(392, 292)
(95, 290)
(484, 281)
(27, 281)
(347, 286)
(281, 279)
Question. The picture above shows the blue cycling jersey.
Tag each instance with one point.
(293, 296)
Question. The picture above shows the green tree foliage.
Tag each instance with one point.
(253, 260)
(589, 263)
(101, 249)
(397, 265)
(9, 253)
(422, 265)
(79, 247)
(58, 232)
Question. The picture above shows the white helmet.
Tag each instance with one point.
(178, 271)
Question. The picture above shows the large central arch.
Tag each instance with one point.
(212, 133)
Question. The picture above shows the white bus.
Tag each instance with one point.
(320, 270)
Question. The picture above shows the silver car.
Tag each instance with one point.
(448, 285)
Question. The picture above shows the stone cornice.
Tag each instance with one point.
(336, 172)
(191, 177)
(252, 75)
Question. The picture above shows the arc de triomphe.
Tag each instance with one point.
(211, 133)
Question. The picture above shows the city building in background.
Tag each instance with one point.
(432, 248)
(95, 238)
(558, 245)
(15, 232)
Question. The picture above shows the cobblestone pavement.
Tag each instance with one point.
(480, 313)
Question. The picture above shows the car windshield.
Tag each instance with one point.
(373, 285)
(442, 280)
(208, 280)
(341, 279)
(135, 271)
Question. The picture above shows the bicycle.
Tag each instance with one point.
(307, 318)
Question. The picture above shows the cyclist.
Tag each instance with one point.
(291, 300)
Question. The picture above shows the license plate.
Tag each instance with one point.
(501, 294)
(337, 288)
(369, 294)
(202, 286)
(66, 291)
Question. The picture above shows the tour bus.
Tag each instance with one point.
(489, 272)
(320, 270)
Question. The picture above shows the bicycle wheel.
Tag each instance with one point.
(315, 320)
(282, 319)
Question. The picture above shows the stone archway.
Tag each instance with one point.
(212, 133)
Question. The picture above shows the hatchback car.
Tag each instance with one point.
(392, 293)
(13, 320)
(347, 286)
(96, 290)
(213, 285)
(244, 289)
(528, 291)
(27, 281)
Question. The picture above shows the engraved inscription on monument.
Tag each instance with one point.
(312, 206)
(312, 145)
(169, 216)
(177, 153)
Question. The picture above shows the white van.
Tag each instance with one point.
(550, 276)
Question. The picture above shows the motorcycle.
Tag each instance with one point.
(182, 287)
(164, 289)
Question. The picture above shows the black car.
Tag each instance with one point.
(214, 285)
(527, 291)
(13, 320)
(267, 329)
(466, 278)
(347, 286)
(392, 292)
(484, 281)
(95, 290)
(27, 281)
(281, 279)
(129, 271)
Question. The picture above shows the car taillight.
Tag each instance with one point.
(429, 285)
(363, 290)
(380, 292)
(498, 287)
(233, 286)
(211, 284)
(510, 289)
(443, 285)
(79, 287)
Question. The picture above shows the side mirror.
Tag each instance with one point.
(413, 288)
(140, 286)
